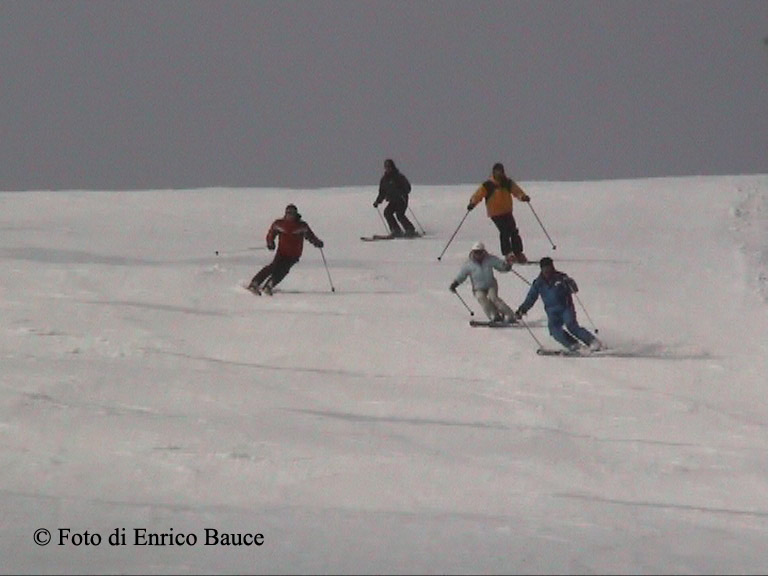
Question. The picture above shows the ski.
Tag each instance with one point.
(493, 324)
(582, 353)
(376, 237)
(559, 352)
(530, 262)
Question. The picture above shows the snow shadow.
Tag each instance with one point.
(350, 417)
(656, 351)
(53, 256)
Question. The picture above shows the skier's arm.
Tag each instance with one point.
(405, 184)
(313, 239)
(382, 194)
(518, 192)
(476, 197)
(460, 277)
(571, 283)
(500, 265)
(530, 300)
(271, 235)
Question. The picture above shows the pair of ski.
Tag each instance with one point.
(494, 324)
(580, 353)
(526, 263)
(377, 237)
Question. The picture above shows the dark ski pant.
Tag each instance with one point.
(394, 212)
(509, 236)
(562, 319)
(275, 270)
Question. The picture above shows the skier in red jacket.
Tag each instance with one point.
(290, 232)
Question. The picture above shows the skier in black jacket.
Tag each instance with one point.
(394, 188)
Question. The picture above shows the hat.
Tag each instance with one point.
(389, 163)
(546, 261)
(498, 166)
(478, 247)
(291, 209)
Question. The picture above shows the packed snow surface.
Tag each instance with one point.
(370, 429)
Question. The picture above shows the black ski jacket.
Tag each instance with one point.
(393, 186)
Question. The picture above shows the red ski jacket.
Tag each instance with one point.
(290, 235)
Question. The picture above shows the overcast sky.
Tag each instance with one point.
(306, 94)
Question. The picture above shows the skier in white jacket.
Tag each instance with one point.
(479, 268)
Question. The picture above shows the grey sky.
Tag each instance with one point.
(131, 94)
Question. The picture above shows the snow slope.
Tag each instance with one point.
(371, 429)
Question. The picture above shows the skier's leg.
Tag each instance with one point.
(487, 306)
(499, 304)
(403, 219)
(263, 274)
(573, 326)
(515, 240)
(505, 241)
(389, 214)
(557, 332)
(283, 265)
(408, 226)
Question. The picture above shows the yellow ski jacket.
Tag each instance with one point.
(498, 196)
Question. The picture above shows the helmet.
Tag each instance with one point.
(478, 247)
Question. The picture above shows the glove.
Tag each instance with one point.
(519, 313)
(271, 246)
(453, 287)
(525, 198)
(376, 204)
(470, 206)
(319, 244)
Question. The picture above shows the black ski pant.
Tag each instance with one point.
(275, 270)
(395, 215)
(509, 236)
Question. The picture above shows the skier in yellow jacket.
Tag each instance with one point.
(498, 192)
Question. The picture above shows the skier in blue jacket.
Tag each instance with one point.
(556, 290)
(479, 268)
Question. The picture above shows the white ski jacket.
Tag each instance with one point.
(481, 274)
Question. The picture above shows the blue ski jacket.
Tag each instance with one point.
(556, 295)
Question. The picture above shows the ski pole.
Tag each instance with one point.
(327, 271)
(524, 323)
(542, 225)
(586, 313)
(523, 278)
(417, 221)
(454, 235)
(462, 301)
(383, 220)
